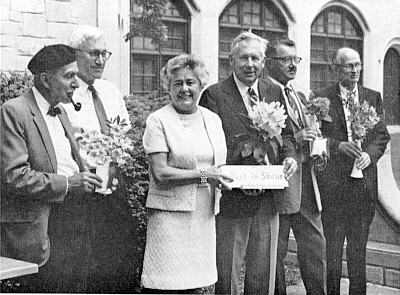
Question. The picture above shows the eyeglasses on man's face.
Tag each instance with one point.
(288, 59)
(358, 66)
(95, 54)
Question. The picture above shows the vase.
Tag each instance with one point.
(356, 173)
(104, 172)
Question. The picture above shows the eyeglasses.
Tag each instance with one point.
(95, 54)
(288, 59)
(357, 66)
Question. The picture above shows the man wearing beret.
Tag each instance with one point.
(40, 163)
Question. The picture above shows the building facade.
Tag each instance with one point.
(207, 27)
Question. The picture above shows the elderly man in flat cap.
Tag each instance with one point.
(40, 163)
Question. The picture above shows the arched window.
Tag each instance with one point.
(147, 59)
(262, 17)
(332, 29)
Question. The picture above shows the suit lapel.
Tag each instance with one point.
(338, 106)
(361, 97)
(70, 135)
(235, 102)
(42, 128)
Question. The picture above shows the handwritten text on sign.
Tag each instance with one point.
(256, 177)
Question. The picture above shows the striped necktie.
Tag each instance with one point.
(100, 111)
(294, 106)
(253, 97)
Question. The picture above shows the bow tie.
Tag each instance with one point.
(53, 111)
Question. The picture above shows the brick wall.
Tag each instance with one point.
(28, 25)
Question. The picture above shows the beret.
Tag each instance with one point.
(51, 57)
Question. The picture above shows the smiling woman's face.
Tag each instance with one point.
(185, 90)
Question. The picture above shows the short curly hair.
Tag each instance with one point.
(190, 61)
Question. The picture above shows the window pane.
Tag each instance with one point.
(317, 77)
(226, 39)
(271, 19)
(350, 31)
(137, 42)
(318, 48)
(143, 74)
(231, 15)
(224, 69)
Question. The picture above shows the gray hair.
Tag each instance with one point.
(248, 36)
(341, 53)
(82, 35)
(189, 61)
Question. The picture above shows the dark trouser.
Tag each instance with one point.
(254, 238)
(350, 217)
(310, 251)
(93, 245)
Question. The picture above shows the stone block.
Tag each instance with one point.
(22, 63)
(375, 274)
(392, 278)
(34, 25)
(84, 9)
(31, 6)
(59, 12)
(60, 30)
(8, 58)
(7, 41)
(383, 258)
(87, 21)
(11, 28)
(27, 46)
(15, 16)
(5, 9)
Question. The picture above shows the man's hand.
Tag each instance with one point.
(84, 182)
(306, 134)
(364, 161)
(290, 167)
(350, 149)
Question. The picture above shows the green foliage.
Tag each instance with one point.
(14, 84)
(136, 168)
(146, 21)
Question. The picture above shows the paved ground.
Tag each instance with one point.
(371, 289)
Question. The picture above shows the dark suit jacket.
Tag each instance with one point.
(224, 99)
(340, 166)
(29, 183)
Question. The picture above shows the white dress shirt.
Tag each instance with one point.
(244, 91)
(343, 94)
(66, 165)
(86, 118)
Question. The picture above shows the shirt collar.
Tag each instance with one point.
(43, 104)
(343, 91)
(243, 88)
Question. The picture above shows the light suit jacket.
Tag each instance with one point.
(181, 155)
(29, 183)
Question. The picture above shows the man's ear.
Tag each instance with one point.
(45, 79)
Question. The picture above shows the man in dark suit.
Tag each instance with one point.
(40, 163)
(247, 225)
(299, 209)
(348, 204)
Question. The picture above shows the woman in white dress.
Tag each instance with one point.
(185, 145)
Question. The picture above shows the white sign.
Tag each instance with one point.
(256, 177)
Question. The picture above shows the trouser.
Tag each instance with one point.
(350, 220)
(254, 239)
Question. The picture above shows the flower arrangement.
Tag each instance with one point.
(318, 108)
(98, 149)
(363, 118)
(268, 119)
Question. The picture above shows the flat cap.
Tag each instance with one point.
(51, 57)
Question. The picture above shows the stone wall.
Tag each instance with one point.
(28, 25)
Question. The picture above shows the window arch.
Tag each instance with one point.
(147, 59)
(262, 17)
(333, 28)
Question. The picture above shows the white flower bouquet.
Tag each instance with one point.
(269, 120)
(99, 151)
(363, 118)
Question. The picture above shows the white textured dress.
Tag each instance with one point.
(180, 247)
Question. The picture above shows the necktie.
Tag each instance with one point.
(253, 96)
(53, 111)
(100, 111)
(349, 99)
(294, 106)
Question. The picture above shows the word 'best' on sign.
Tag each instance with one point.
(256, 177)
